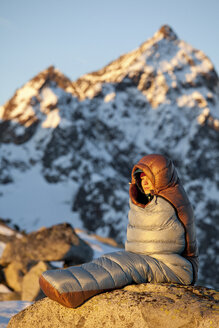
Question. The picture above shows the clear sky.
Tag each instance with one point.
(84, 35)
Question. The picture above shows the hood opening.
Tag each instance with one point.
(137, 178)
(136, 191)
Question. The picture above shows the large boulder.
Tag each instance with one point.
(26, 256)
(144, 305)
(30, 284)
(57, 243)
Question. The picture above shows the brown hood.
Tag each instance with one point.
(163, 175)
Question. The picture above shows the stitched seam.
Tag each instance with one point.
(89, 273)
(48, 279)
(100, 265)
(77, 282)
(164, 168)
(161, 268)
(154, 175)
(151, 227)
(154, 242)
(119, 266)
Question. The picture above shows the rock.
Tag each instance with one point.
(7, 234)
(2, 275)
(8, 231)
(12, 296)
(30, 286)
(144, 305)
(56, 243)
(14, 274)
(7, 295)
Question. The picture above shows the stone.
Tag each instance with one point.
(7, 295)
(8, 231)
(12, 296)
(14, 274)
(57, 243)
(30, 285)
(140, 306)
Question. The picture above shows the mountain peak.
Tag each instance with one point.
(20, 106)
(161, 68)
(168, 32)
(52, 74)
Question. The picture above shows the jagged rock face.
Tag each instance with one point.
(145, 305)
(85, 136)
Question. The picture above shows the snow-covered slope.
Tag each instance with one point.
(67, 148)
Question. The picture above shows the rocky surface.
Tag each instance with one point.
(9, 296)
(26, 256)
(14, 273)
(30, 284)
(144, 305)
(8, 232)
(58, 243)
(77, 142)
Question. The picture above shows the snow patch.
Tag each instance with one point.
(6, 231)
(98, 247)
(4, 289)
(43, 203)
(10, 308)
(2, 247)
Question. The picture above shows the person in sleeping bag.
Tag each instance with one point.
(160, 247)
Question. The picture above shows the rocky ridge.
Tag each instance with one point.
(85, 136)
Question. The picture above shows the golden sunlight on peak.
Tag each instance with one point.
(52, 120)
(1, 112)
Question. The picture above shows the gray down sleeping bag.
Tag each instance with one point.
(155, 240)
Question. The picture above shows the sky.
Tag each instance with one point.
(81, 36)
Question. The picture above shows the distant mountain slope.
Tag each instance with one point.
(67, 148)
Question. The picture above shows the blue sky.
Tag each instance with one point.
(82, 36)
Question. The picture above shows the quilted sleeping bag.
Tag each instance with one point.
(154, 250)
